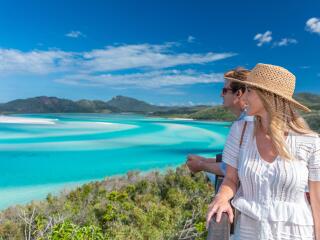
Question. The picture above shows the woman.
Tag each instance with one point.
(278, 160)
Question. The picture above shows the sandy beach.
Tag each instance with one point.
(23, 120)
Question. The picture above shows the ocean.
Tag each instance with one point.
(49, 153)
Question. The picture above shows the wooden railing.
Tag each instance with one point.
(221, 230)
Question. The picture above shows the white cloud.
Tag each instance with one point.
(35, 62)
(263, 38)
(313, 25)
(171, 91)
(285, 42)
(144, 56)
(148, 80)
(188, 104)
(75, 34)
(191, 39)
(305, 67)
(151, 65)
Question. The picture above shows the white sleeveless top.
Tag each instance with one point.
(273, 191)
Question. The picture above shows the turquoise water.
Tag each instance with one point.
(37, 159)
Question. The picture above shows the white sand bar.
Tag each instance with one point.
(23, 120)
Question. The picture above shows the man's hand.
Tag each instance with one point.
(195, 163)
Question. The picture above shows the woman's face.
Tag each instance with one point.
(255, 105)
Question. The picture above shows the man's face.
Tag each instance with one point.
(228, 96)
(232, 100)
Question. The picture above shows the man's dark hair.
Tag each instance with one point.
(239, 73)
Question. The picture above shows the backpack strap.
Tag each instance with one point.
(236, 212)
(242, 133)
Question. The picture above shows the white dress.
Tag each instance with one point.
(272, 198)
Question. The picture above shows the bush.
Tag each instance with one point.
(153, 206)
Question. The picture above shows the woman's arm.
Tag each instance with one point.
(227, 190)
(228, 187)
(314, 189)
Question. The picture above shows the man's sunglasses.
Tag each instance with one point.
(225, 90)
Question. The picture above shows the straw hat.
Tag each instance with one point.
(275, 79)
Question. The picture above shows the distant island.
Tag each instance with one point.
(118, 104)
(122, 104)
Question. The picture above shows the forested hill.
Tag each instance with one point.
(118, 104)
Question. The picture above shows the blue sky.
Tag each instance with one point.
(164, 52)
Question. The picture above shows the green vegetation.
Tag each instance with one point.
(45, 104)
(216, 113)
(313, 119)
(313, 102)
(310, 100)
(219, 113)
(152, 206)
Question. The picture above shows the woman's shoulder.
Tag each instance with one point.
(312, 136)
(311, 140)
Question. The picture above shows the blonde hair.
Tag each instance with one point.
(283, 118)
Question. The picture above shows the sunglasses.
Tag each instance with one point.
(225, 90)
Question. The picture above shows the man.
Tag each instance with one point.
(231, 94)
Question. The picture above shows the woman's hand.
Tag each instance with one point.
(219, 205)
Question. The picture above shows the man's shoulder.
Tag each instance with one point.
(248, 118)
(239, 125)
(244, 116)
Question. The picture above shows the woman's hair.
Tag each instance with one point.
(283, 118)
(239, 73)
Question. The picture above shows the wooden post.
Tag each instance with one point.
(219, 231)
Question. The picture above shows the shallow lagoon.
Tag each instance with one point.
(51, 152)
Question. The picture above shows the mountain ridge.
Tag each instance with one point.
(45, 104)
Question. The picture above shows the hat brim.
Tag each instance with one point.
(296, 103)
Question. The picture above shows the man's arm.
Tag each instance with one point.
(212, 167)
(197, 163)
